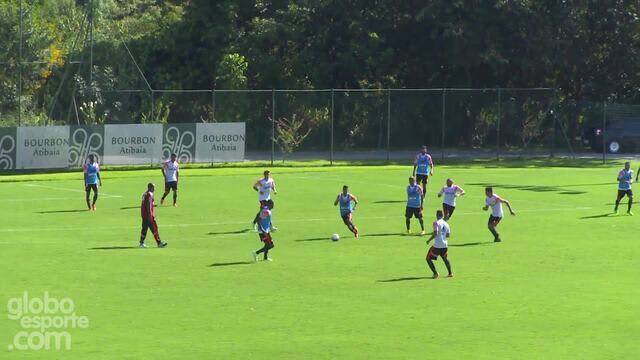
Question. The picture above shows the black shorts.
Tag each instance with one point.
(494, 220)
(267, 203)
(346, 218)
(266, 238)
(622, 193)
(448, 209)
(434, 252)
(88, 187)
(413, 212)
(422, 178)
(170, 185)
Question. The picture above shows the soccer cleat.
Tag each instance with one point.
(175, 205)
(255, 256)
(142, 245)
(450, 275)
(616, 212)
(497, 239)
(422, 232)
(255, 227)
(356, 234)
(630, 212)
(162, 245)
(93, 207)
(273, 228)
(435, 276)
(161, 201)
(408, 232)
(268, 259)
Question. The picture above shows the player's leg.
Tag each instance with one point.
(95, 196)
(156, 234)
(143, 232)
(87, 191)
(420, 220)
(493, 222)
(445, 258)
(408, 213)
(430, 257)
(621, 194)
(450, 211)
(423, 181)
(166, 192)
(630, 195)
(350, 225)
(175, 194)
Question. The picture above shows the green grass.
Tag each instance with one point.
(562, 284)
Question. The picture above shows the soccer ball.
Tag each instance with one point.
(335, 237)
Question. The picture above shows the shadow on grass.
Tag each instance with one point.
(61, 211)
(538, 188)
(230, 232)
(231, 263)
(114, 248)
(389, 201)
(598, 216)
(409, 278)
(472, 244)
(328, 238)
(381, 234)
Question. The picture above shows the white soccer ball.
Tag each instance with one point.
(335, 237)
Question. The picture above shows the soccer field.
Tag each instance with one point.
(562, 284)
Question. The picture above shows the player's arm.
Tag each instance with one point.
(433, 234)
(274, 188)
(637, 174)
(84, 175)
(177, 174)
(415, 165)
(355, 201)
(256, 186)
(506, 202)
(164, 176)
(460, 191)
(430, 166)
(99, 178)
(441, 192)
(337, 200)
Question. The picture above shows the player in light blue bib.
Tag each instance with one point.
(625, 178)
(91, 180)
(264, 231)
(414, 204)
(422, 169)
(348, 204)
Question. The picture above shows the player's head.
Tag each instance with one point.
(439, 214)
(266, 174)
(174, 157)
(424, 149)
(345, 189)
(627, 165)
(488, 191)
(412, 180)
(150, 187)
(449, 182)
(92, 158)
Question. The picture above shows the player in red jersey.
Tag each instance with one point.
(148, 213)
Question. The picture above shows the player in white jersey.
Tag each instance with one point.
(170, 172)
(495, 202)
(441, 233)
(265, 186)
(625, 178)
(450, 192)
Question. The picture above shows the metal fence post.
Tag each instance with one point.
(498, 125)
(444, 103)
(332, 127)
(604, 131)
(20, 68)
(273, 124)
(153, 106)
(213, 105)
(388, 124)
(553, 134)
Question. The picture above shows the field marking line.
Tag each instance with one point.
(336, 218)
(39, 199)
(67, 189)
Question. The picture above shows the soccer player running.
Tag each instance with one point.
(91, 181)
(264, 231)
(441, 233)
(414, 204)
(625, 177)
(265, 187)
(148, 212)
(495, 202)
(348, 204)
(451, 192)
(422, 169)
(171, 173)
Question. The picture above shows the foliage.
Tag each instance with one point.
(291, 132)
